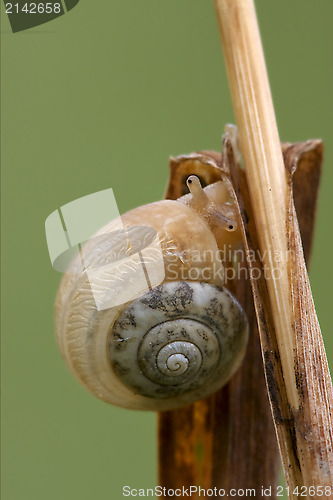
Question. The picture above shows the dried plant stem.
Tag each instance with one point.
(227, 440)
(261, 149)
(306, 443)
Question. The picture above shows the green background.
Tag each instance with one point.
(99, 98)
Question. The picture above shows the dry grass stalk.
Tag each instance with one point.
(228, 440)
(260, 146)
(298, 379)
(305, 435)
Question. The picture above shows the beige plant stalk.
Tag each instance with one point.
(302, 386)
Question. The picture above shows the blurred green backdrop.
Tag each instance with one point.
(99, 98)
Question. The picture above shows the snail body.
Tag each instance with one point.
(146, 324)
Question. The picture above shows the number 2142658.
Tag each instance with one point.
(34, 8)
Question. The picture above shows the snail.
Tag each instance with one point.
(146, 323)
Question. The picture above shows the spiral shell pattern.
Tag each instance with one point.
(158, 348)
(179, 340)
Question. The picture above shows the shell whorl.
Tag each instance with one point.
(178, 342)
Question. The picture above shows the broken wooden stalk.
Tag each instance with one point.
(305, 441)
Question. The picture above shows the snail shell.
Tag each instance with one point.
(178, 339)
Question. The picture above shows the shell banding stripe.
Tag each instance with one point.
(178, 338)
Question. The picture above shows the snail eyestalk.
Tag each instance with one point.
(199, 197)
(216, 215)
